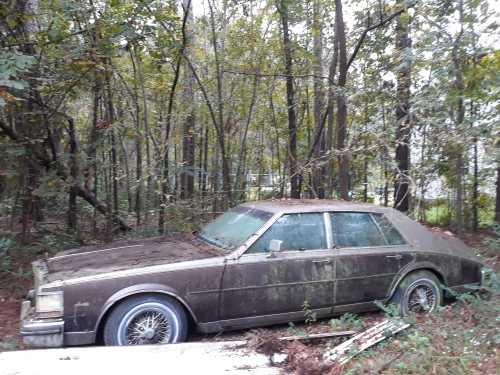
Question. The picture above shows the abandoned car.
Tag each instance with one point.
(255, 265)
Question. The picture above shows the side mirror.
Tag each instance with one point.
(274, 247)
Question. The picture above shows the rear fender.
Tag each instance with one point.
(416, 267)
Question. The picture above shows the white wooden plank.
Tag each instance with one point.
(231, 357)
(347, 350)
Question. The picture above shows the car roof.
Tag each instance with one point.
(313, 205)
(416, 234)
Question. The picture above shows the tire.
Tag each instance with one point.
(419, 292)
(146, 319)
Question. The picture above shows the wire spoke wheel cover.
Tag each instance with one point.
(421, 297)
(147, 323)
(146, 319)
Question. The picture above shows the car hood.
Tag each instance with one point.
(92, 261)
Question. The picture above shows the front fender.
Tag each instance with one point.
(139, 289)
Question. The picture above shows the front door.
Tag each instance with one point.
(369, 252)
(298, 278)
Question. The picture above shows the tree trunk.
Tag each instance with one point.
(497, 200)
(165, 168)
(243, 146)
(385, 160)
(475, 191)
(74, 172)
(205, 167)
(281, 172)
(219, 123)
(459, 197)
(341, 133)
(188, 142)
(110, 117)
(365, 172)
(423, 181)
(127, 174)
(282, 6)
(318, 183)
(90, 172)
(147, 137)
(214, 173)
(138, 147)
(331, 117)
(403, 117)
(475, 184)
(459, 119)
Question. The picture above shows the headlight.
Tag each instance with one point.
(486, 276)
(49, 304)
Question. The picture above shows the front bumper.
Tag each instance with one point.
(40, 333)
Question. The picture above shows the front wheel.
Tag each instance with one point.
(145, 320)
(419, 292)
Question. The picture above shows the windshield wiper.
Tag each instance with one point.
(213, 241)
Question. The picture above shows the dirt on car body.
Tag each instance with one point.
(93, 260)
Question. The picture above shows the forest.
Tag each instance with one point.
(122, 120)
(150, 115)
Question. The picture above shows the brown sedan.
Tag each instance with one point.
(255, 265)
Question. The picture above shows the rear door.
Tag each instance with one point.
(260, 284)
(369, 252)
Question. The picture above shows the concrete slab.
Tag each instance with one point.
(230, 357)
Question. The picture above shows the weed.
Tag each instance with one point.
(390, 311)
(5, 258)
(57, 242)
(310, 316)
(348, 320)
(5, 264)
(9, 344)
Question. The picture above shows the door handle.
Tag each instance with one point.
(398, 256)
(322, 261)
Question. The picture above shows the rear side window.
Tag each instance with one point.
(391, 234)
(297, 231)
(355, 229)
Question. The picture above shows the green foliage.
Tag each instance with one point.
(494, 241)
(5, 259)
(7, 263)
(9, 344)
(347, 321)
(12, 67)
(81, 48)
(5, 245)
(57, 242)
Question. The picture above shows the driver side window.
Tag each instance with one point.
(297, 231)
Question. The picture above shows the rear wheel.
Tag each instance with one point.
(146, 320)
(419, 292)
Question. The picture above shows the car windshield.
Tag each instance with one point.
(234, 227)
